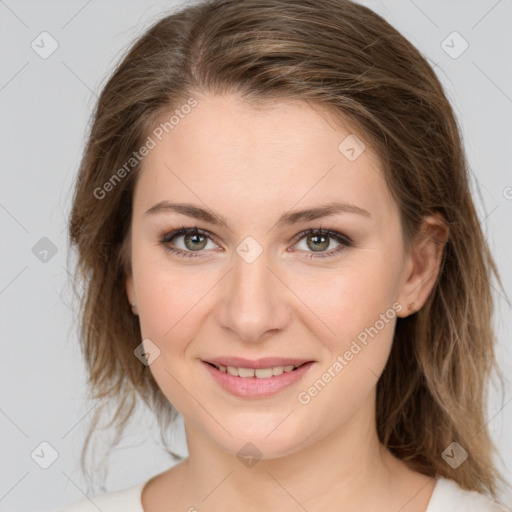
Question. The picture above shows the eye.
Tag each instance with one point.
(194, 240)
(317, 241)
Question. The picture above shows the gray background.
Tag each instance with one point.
(45, 106)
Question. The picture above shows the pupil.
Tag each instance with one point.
(194, 237)
(317, 244)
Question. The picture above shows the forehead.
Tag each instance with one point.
(230, 154)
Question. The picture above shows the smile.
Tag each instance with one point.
(258, 373)
(261, 382)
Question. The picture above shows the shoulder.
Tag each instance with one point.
(448, 496)
(124, 500)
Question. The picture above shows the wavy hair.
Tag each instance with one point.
(339, 55)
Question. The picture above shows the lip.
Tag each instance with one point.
(264, 362)
(253, 387)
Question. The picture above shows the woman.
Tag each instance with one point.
(277, 238)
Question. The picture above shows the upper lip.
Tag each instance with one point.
(264, 362)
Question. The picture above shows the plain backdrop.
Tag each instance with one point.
(45, 103)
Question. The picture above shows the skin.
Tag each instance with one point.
(250, 165)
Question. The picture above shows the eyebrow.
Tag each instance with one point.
(288, 218)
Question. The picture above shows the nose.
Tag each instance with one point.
(254, 302)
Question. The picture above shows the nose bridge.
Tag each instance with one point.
(254, 302)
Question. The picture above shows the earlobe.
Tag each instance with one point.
(423, 264)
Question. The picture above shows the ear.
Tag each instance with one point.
(130, 288)
(422, 264)
(125, 258)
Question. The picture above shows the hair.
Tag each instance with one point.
(342, 56)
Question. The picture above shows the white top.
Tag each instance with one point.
(447, 497)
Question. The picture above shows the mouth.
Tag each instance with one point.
(258, 373)
(256, 379)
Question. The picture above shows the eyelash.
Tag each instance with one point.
(342, 239)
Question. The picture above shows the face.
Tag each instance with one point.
(259, 286)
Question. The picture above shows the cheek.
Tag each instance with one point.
(171, 314)
(170, 305)
(344, 302)
(358, 311)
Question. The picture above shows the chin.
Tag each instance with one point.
(263, 439)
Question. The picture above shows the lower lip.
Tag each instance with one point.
(252, 387)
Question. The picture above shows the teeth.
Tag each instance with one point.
(262, 373)
(259, 373)
(232, 371)
(245, 372)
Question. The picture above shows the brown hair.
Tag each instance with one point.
(345, 57)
